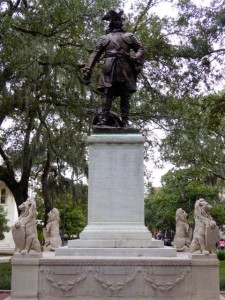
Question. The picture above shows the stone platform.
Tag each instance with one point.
(117, 252)
(47, 277)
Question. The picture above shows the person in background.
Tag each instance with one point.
(221, 244)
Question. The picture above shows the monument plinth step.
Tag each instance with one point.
(135, 243)
(119, 252)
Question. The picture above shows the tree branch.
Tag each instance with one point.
(53, 32)
(27, 159)
(145, 10)
(7, 162)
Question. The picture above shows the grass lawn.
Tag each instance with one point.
(5, 276)
(222, 275)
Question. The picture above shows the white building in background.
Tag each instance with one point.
(7, 201)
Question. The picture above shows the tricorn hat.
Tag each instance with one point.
(112, 14)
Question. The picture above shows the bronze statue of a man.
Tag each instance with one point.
(119, 70)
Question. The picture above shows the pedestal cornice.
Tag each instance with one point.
(116, 139)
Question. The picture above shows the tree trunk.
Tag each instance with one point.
(45, 188)
(18, 189)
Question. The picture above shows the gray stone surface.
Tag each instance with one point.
(127, 278)
(115, 194)
(51, 231)
(5, 259)
(25, 275)
(206, 232)
(122, 252)
(116, 243)
(24, 231)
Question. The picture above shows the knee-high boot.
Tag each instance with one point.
(106, 106)
(124, 109)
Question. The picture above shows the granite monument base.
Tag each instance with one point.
(185, 277)
(115, 194)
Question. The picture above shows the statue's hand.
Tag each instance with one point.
(87, 76)
(137, 62)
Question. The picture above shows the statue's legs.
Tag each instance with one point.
(107, 97)
(124, 108)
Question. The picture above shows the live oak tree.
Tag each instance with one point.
(184, 58)
(43, 102)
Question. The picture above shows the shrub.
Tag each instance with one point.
(222, 284)
(220, 254)
(40, 233)
(3, 223)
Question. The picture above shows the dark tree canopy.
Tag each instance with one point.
(43, 102)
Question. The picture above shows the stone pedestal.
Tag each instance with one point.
(115, 195)
(25, 275)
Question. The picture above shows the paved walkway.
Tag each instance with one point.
(4, 296)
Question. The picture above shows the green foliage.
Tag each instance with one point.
(196, 136)
(220, 255)
(5, 276)
(40, 233)
(43, 103)
(3, 222)
(180, 189)
(73, 218)
(73, 214)
(218, 212)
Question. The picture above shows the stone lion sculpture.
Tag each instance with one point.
(51, 231)
(182, 235)
(206, 232)
(24, 231)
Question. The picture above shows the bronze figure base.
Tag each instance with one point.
(110, 129)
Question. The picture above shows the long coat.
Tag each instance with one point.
(118, 65)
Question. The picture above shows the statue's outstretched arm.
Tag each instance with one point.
(94, 57)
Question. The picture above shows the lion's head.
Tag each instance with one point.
(28, 208)
(53, 215)
(181, 215)
(202, 209)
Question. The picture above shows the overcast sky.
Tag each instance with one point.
(165, 8)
